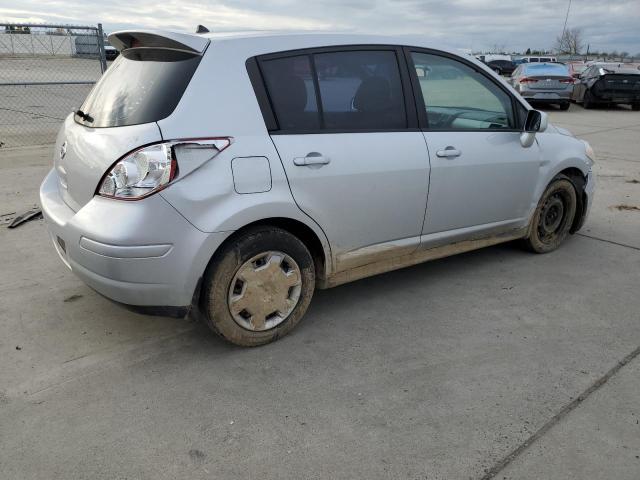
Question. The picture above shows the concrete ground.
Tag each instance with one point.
(492, 364)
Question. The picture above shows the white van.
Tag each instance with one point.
(539, 59)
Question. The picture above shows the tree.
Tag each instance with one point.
(528, 52)
(623, 55)
(570, 42)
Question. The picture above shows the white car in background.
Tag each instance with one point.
(237, 174)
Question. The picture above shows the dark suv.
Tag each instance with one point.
(502, 67)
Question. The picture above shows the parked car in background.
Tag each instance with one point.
(548, 83)
(576, 68)
(502, 67)
(536, 59)
(489, 57)
(608, 84)
(321, 159)
(110, 53)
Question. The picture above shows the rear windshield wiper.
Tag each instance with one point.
(85, 116)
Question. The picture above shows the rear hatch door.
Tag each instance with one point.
(142, 86)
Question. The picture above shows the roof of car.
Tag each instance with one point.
(617, 67)
(288, 40)
(293, 40)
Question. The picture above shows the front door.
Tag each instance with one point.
(482, 179)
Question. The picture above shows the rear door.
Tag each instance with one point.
(348, 139)
(482, 179)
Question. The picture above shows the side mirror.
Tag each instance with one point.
(536, 122)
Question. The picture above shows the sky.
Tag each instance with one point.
(478, 25)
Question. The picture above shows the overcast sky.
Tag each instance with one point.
(471, 24)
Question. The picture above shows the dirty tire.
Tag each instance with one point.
(227, 263)
(553, 216)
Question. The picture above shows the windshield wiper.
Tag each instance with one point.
(85, 116)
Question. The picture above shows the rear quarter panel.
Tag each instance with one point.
(220, 102)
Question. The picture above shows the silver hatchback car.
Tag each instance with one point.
(237, 174)
(548, 83)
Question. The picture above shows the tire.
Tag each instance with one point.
(498, 71)
(587, 102)
(635, 107)
(565, 106)
(553, 216)
(271, 259)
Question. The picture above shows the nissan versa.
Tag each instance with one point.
(238, 174)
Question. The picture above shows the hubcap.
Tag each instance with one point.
(552, 214)
(551, 217)
(264, 291)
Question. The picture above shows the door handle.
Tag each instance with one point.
(313, 158)
(449, 152)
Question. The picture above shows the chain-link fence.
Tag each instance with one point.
(46, 71)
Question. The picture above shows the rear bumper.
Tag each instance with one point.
(613, 97)
(140, 253)
(546, 97)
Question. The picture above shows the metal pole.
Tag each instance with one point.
(103, 57)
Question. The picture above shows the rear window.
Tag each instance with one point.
(547, 69)
(140, 86)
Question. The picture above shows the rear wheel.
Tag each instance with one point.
(635, 107)
(587, 101)
(258, 287)
(553, 216)
(565, 106)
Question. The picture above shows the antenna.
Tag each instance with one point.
(566, 18)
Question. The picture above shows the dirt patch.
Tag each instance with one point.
(627, 208)
(72, 298)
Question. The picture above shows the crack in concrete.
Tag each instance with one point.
(564, 411)
(608, 241)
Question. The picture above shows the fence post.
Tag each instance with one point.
(101, 52)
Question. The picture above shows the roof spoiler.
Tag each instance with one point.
(158, 39)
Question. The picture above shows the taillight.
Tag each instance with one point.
(149, 169)
(528, 80)
(567, 80)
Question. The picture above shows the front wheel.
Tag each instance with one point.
(553, 216)
(258, 286)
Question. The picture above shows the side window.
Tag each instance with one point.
(457, 97)
(360, 90)
(289, 82)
